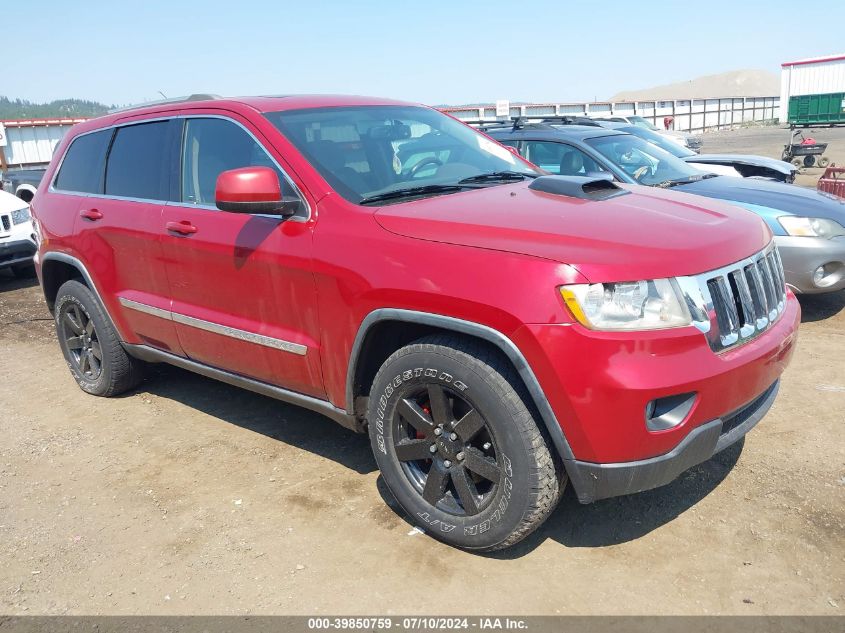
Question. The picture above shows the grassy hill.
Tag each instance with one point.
(60, 108)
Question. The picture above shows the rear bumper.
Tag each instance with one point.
(801, 256)
(16, 252)
(600, 481)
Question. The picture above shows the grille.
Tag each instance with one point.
(7, 222)
(734, 304)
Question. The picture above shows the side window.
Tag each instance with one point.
(82, 167)
(560, 158)
(137, 163)
(213, 146)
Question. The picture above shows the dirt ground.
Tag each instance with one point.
(190, 496)
(769, 141)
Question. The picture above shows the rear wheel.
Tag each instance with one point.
(90, 344)
(459, 447)
(824, 161)
(809, 160)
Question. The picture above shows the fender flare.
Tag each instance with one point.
(490, 335)
(89, 281)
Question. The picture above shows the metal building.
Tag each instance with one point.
(30, 143)
(810, 77)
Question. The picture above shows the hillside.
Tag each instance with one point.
(60, 108)
(736, 83)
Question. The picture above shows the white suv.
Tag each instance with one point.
(17, 236)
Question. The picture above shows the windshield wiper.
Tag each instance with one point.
(498, 176)
(683, 181)
(413, 192)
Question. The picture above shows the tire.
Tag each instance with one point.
(493, 478)
(799, 163)
(90, 344)
(23, 271)
(809, 160)
(824, 161)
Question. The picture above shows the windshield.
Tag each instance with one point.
(645, 163)
(641, 122)
(676, 149)
(366, 152)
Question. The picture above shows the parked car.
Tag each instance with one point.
(809, 226)
(690, 141)
(22, 182)
(497, 333)
(17, 241)
(742, 165)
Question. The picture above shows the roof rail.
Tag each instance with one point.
(193, 97)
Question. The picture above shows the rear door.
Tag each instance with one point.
(244, 296)
(118, 233)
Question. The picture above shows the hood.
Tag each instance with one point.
(790, 199)
(9, 202)
(751, 160)
(643, 234)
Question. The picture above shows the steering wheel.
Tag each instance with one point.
(431, 160)
(639, 173)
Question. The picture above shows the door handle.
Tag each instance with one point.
(91, 214)
(183, 228)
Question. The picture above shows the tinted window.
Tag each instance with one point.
(559, 158)
(137, 164)
(216, 145)
(82, 167)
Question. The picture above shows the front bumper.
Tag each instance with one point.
(801, 256)
(601, 481)
(600, 386)
(16, 252)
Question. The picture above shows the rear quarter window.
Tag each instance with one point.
(137, 162)
(82, 168)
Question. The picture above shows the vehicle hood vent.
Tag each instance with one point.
(584, 187)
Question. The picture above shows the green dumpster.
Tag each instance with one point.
(824, 109)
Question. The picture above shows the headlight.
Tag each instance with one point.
(810, 227)
(19, 216)
(630, 305)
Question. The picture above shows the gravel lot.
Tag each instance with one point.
(189, 496)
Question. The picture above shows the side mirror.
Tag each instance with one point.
(253, 190)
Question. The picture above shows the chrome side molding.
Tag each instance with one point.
(216, 328)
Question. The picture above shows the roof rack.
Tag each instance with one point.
(193, 97)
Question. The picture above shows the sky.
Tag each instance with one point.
(440, 53)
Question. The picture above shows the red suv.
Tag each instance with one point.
(497, 331)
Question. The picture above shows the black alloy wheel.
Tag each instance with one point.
(80, 336)
(447, 450)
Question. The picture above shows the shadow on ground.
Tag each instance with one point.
(9, 282)
(820, 307)
(603, 523)
(618, 520)
(283, 422)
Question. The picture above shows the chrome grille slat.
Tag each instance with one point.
(734, 304)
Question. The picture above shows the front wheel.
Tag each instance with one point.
(459, 447)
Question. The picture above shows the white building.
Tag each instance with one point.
(817, 75)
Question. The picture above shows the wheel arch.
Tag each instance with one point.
(377, 338)
(56, 269)
(25, 193)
